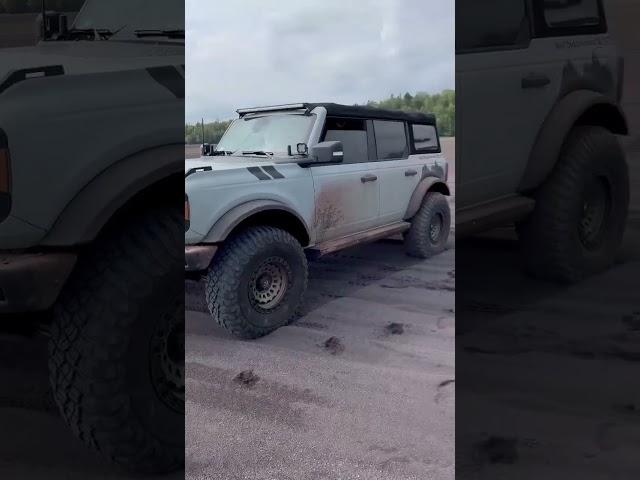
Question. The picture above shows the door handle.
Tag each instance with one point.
(535, 81)
(410, 173)
(368, 178)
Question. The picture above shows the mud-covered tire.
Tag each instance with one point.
(231, 282)
(430, 227)
(108, 366)
(578, 222)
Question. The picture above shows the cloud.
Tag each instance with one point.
(251, 52)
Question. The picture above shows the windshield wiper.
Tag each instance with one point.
(88, 34)
(159, 33)
(256, 152)
(218, 153)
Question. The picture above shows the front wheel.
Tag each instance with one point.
(430, 227)
(256, 282)
(116, 354)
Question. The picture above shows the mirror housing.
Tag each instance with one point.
(52, 26)
(327, 152)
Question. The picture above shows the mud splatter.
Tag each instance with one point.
(311, 325)
(328, 211)
(444, 383)
(394, 329)
(246, 378)
(333, 345)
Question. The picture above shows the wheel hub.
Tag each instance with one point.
(435, 228)
(269, 284)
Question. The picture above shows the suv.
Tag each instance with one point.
(548, 73)
(320, 177)
(90, 230)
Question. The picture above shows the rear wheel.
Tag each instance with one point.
(256, 282)
(580, 214)
(430, 227)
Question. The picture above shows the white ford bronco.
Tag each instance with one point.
(314, 177)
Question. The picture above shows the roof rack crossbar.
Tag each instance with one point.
(272, 108)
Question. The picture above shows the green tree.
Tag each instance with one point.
(442, 105)
(213, 131)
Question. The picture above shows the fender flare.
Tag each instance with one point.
(90, 210)
(564, 116)
(427, 184)
(238, 214)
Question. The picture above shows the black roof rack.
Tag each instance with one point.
(353, 111)
(358, 111)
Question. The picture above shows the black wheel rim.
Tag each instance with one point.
(435, 228)
(167, 358)
(268, 284)
(595, 211)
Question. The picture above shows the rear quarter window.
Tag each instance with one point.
(569, 17)
(425, 139)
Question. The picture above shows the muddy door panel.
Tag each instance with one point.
(347, 199)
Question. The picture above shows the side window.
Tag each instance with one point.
(570, 17)
(490, 24)
(353, 135)
(425, 139)
(391, 139)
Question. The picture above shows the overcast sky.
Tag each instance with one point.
(246, 53)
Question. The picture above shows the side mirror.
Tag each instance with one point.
(54, 25)
(327, 152)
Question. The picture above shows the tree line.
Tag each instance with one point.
(442, 104)
(212, 131)
(35, 6)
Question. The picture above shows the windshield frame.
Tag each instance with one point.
(220, 147)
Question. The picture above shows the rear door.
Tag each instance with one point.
(347, 194)
(400, 165)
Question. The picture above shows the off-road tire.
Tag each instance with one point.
(123, 289)
(419, 242)
(229, 279)
(554, 244)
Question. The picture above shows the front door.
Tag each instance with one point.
(347, 195)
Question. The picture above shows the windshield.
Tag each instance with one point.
(127, 16)
(268, 134)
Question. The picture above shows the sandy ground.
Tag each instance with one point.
(377, 405)
(547, 375)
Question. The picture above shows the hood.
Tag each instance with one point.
(81, 57)
(232, 162)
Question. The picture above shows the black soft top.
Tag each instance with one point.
(337, 110)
